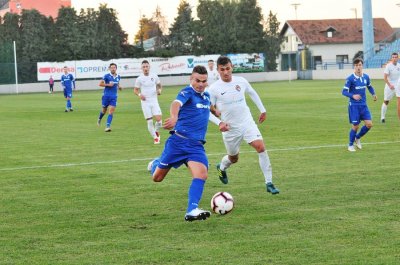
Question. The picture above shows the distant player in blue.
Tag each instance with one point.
(355, 89)
(111, 85)
(67, 82)
(188, 122)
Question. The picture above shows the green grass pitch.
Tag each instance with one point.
(72, 194)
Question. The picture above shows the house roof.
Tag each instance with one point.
(346, 30)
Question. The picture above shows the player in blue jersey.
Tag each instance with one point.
(67, 82)
(188, 122)
(111, 85)
(355, 89)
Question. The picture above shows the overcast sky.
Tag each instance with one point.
(129, 12)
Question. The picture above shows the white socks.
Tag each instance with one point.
(383, 110)
(225, 163)
(150, 127)
(158, 125)
(265, 166)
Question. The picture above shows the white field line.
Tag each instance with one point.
(299, 148)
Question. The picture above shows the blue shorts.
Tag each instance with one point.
(358, 113)
(67, 93)
(108, 101)
(178, 151)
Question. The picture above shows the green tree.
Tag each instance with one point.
(34, 39)
(7, 36)
(249, 28)
(111, 38)
(68, 37)
(181, 38)
(87, 21)
(272, 40)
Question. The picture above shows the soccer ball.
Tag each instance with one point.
(222, 203)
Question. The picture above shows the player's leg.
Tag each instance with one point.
(156, 112)
(254, 138)
(387, 96)
(354, 119)
(111, 109)
(147, 113)
(232, 142)
(196, 188)
(366, 116)
(104, 106)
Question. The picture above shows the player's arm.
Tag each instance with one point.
(386, 79)
(371, 90)
(103, 83)
(159, 88)
(136, 91)
(170, 122)
(257, 100)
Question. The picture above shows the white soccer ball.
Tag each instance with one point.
(222, 203)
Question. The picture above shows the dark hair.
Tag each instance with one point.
(211, 60)
(200, 70)
(223, 60)
(113, 64)
(145, 61)
(395, 53)
(358, 60)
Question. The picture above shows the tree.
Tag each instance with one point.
(181, 36)
(35, 41)
(87, 21)
(9, 32)
(249, 28)
(111, 38)
(272, 40)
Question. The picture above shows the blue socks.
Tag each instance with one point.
(101, 115)
(352, 137)
(156, 162)
(69, 105)
(362, 132)
(195, 193)
(109, 119)
(353, 134)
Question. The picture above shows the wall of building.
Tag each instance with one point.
(45, 7)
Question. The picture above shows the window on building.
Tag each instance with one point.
(329, 34)
(342, 58)
(318, 59)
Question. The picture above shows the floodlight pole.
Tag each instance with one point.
(15, 67)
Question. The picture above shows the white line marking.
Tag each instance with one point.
(299, 148)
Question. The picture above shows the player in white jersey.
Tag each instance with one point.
(228, 96)
(391, 75)
(148, 88)
(212, 73)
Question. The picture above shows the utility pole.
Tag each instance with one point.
(295, 8)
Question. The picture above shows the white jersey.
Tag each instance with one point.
(393, 73)
(230, 100)
(148, 86)
(212, 76)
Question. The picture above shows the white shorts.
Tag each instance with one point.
(397, 89)
(234, 137)
(388, 93)
(150, 109)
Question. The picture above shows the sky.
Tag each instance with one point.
(129, 12)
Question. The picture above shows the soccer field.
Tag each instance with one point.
(72, 194)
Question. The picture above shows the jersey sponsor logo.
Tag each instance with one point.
(222, 93)
(238, 88)
(202, 106)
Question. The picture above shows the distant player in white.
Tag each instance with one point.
(228, 97)
(391, 75)
(212, 73)
(147, 88)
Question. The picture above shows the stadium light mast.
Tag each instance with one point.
(367, 29)
(295, 8)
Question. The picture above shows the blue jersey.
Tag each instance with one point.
(193, 114)
(68, 81)
(357, 85)
(111, 91)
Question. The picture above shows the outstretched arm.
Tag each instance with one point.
(170, 122)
